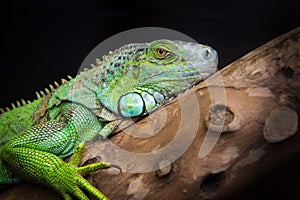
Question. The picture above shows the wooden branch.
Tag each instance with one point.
(165, 156)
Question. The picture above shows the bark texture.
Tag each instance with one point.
(215, 139)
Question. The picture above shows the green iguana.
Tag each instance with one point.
(130, 82)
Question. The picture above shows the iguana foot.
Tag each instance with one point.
(75, 183)
(45, 168)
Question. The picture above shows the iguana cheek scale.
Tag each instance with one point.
(132, 81)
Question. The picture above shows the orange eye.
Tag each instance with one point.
(161, 52)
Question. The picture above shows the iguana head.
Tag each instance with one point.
(138, 78)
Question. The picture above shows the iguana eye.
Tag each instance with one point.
(161, 53)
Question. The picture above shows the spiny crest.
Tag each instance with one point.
(118, 54)
(39, 94)
(105, 68)
(15, 105)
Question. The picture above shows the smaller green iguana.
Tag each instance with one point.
(132, 81)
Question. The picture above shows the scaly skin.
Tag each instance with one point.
(129, 82)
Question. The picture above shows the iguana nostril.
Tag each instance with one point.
(207, 54)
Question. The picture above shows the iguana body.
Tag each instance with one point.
(130, 82)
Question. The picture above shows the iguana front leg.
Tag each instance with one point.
(36, 155)
(45, 168)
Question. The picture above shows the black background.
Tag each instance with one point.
(43, 42)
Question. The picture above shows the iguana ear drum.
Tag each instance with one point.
(131, 105)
